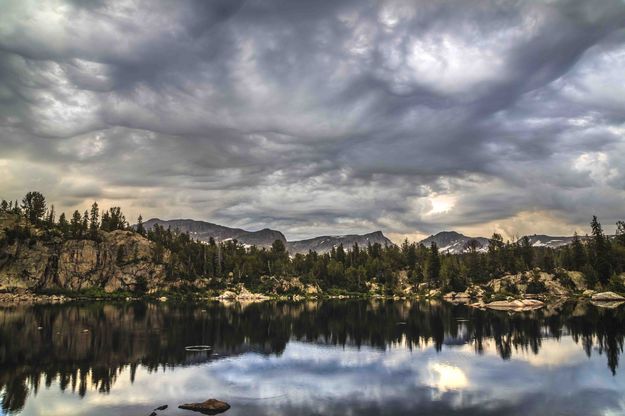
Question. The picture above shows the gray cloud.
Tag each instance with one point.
(320, 117)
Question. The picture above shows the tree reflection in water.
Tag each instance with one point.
(83, 345)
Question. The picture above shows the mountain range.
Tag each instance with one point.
(453, 242)
(203, 231)
(450, 242)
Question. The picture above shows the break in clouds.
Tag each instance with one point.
(317, 117)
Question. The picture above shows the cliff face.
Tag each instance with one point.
(120, 260)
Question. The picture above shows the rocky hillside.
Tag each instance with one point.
(325, 243)
(454, 243)
(118, 260)
(203, 231)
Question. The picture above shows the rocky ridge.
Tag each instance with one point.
(118, 260)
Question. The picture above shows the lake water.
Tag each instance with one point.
(311, 358)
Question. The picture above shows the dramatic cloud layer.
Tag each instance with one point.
(318, 117)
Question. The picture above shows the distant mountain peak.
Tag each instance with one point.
(325, 243)
(453, 242)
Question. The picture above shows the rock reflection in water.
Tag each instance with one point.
(86, 347)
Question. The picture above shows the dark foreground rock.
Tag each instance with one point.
(209, 407)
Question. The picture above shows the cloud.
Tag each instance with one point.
(324, 117)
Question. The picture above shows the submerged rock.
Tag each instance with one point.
(516, 305)
(607, 297)
(209, 407)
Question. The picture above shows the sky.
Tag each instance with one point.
(320, 117)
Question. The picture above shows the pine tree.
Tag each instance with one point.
(434, 264)
(140, 228)
(601, 252)
(85, 223)
(94, 220)
(75, 225)
(620, 232)
(578, 254)
(34, 206)
(63, 225)
(50, 219)
(527, 252)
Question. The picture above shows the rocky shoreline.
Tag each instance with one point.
(519, 292)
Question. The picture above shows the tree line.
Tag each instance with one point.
(599, 257)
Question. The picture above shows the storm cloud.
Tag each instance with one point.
(318, 117)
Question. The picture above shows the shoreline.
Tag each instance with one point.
(510, 304)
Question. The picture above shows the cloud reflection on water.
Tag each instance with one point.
(317, 379)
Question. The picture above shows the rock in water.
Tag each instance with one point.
(607, 297)
(163, 407)
(209, 407)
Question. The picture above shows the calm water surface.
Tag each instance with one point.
(322, 358)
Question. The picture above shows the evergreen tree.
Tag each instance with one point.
(601, 252)
(527, 253)
(140, 227)
(620, 232)
(34, 206)
(411, 255)
(50, 218)
(496, 253)
(94, 220)
(434, 264)
(578, 254)
(75, 225)
(63, 225)
(340, 254)
(474, 270)
(85, 223)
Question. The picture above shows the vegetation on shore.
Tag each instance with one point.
(352, 270)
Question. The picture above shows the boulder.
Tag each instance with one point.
(588, 293)
(457, 297)
(209, 407)
(607, 297)
(246, 295)
(434, 293)
(312, 290)
(228, 295)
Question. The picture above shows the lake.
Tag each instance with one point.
(311, 358)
